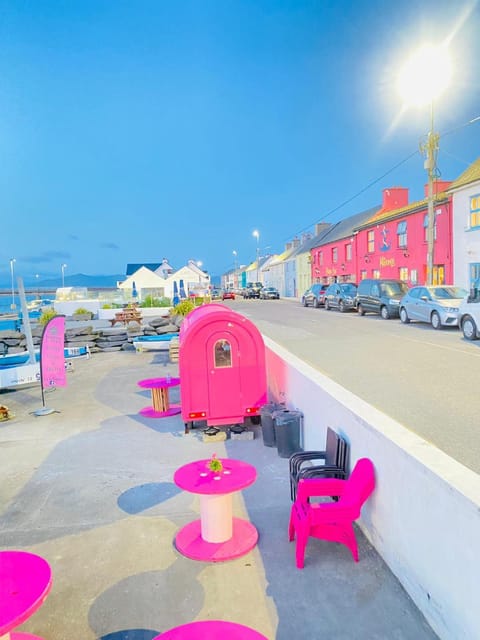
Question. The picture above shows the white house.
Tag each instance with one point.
(466, 226)
(160, 283)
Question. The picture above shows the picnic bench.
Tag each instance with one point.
(129, 314)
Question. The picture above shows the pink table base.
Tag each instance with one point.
(190, 543)
(18, 635)
(149, 412)
(211, 630)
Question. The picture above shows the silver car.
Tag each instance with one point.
(437, 305)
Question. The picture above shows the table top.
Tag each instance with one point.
(25, 581)
(197, 478)
(159, 383)
(211, 630)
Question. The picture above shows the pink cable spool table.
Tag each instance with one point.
(217, 536)
(160, 400)
(211, 630)
(25, 582)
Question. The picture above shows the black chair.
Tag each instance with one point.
(334, 462)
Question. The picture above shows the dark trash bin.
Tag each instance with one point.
(287, 431)
(268, 429)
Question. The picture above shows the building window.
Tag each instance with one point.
(475, 212)
(348, 252)
(376, 274)
(413, 276)
(425, 226)
(320, 258)
(223, 354)
(363, 274)
(371, 241)
(402, 234)
(403, 274)
(335, 255)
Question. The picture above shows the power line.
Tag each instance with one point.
(370, 184)
(373, 182)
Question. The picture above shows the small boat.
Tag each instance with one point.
(14, 359)
(154, 343)
(17, 359)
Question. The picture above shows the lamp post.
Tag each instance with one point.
(64, 266)
(12, 262)
(37, 276)
(256, 235)
(423, 78)
(235, 279)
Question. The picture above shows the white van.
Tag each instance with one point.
(469, 315)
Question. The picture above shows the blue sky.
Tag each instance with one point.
(133, 131)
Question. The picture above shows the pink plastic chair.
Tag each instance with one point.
(330, 520)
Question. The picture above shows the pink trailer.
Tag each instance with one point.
(222, 367)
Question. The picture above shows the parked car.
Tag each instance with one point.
(215, 294)
(315, 295)
(252, 290)
(469, 315)
(228, 294)
(438, 305)
(340, 295)
(380, 296)
(269, 293)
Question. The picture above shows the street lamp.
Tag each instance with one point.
(37, 276)
(424, 77)
(235, 279)
(12, 262)
(256, 235)
(64, 266)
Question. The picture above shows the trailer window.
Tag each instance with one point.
(223, 354)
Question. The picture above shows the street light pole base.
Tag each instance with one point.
(45, 411)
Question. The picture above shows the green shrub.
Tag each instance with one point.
(150, 301)
(183, 308)
(107, 306)
(47, 315)
(81, 311)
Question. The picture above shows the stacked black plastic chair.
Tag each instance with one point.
(335, 461)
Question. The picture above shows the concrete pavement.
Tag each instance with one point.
(91, 489)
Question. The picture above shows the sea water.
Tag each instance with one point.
(14, 324)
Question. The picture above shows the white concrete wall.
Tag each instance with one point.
(424, 516)
(68, 307)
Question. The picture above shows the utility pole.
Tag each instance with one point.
(430, 149)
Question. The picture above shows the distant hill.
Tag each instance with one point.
(75, 280)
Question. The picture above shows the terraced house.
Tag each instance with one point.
(390, 241)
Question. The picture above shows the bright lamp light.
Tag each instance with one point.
(425, 75)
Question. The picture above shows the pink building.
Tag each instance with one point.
(391, 243)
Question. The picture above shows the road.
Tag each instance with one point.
(425, 379)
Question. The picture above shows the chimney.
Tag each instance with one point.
(320, 227)
(438, 187)
(394, 198)
(296, 242)
(288, 246)
(306, 237)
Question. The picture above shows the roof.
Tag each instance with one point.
(346, 227)
(472, 174)
(135, 266)
(316, 241)
(396, 213)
